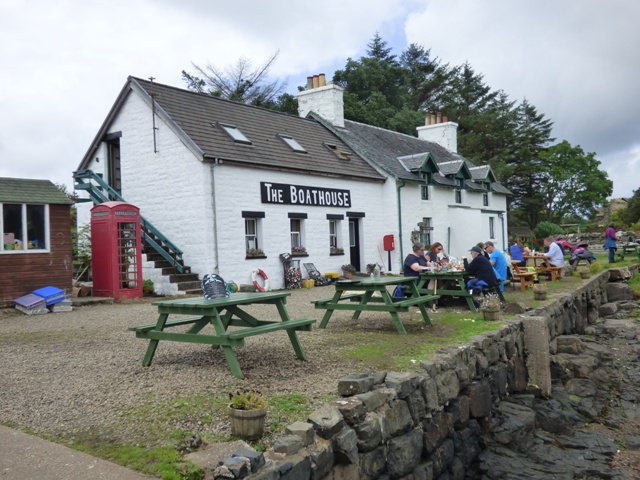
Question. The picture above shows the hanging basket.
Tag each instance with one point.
(248, 424)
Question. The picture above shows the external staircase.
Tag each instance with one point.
(165, 255)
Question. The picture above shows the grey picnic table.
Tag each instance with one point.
(221, 313)
(371, 295)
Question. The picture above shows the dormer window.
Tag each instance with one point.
(341, 154)
(292, 143)
(235, 133)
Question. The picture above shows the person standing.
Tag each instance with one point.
(498, 262)
(415, 263)
(610, 242)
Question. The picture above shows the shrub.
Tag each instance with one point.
(147, 287)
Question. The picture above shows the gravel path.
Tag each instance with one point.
(80, 373)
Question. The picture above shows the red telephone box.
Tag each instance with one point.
(116, 250)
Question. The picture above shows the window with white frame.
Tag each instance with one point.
(459, 191)
(491, 228)
(333, 233)
(24, 227)
(297, 234)
(252, 239)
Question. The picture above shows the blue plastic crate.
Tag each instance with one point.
(51, 295)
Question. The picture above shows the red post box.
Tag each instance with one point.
(116, 250)
(388, 243)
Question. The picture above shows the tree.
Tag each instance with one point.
(630, 214)
(570, 182)
(240, 83)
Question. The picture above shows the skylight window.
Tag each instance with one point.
(341, 154)
(235, 133)
(292, 142)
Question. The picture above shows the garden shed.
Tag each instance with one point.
(35, 222)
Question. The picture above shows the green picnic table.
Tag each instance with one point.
(221, 313)
(372, 295)
(633, 248)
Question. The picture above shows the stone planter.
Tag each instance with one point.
(248, 424)
(491, 314)
(584, 274)
(539, 295)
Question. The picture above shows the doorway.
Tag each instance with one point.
(354, 243)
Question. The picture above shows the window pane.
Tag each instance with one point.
(12, 222)
(36, 226)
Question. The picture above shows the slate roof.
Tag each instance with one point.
(400, 154)
(196, 118)
(22, 190)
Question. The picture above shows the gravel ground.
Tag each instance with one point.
(79, 373)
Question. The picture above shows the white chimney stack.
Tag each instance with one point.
(438, 130)
(325, 100)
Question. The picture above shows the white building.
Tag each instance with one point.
(231, 186)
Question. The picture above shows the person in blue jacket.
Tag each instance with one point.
(498, 261)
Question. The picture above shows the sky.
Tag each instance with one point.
(65, 62)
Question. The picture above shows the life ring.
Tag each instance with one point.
(254, 277)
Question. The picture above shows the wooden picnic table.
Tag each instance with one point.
(372, 295)
(545, 268)
(629, 248)
(221, 313)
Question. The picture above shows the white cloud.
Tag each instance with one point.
(65, 62)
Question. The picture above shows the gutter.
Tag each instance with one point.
(398, 187)
(216, 268)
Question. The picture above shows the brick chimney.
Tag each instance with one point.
(325, 100)
(439, 130)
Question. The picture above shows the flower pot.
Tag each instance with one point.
(491, 314)
(346, 274)
(247, 424)
(539, 295)
(585, 274)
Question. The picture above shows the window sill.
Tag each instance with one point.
(254, 257)
(336, 254)
(305, 254)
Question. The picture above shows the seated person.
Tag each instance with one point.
(436, 259)
(498, 261)
(555, 255)
(415, 263)
(517, 255)
(484, 252)
(481, 269)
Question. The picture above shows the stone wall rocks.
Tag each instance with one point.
(516, 403)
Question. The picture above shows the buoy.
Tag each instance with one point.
(254, 277)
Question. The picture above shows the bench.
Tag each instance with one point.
(526, 279)
(172, 323)
(416, 300)
(554, 273)
(301, 324)
(354, 297)
(626, 249)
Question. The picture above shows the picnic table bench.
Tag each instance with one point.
(221, 313)
(628, 248)
(545, 268)
(371, 295)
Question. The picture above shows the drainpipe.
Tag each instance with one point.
(215, 216)
(398, 187)
(504, 244)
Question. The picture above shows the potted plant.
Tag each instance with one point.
(540, 291)
(584, 272)
(371, 267)
(348, 270)
(336, 251)
(491, 307)
(247, 410)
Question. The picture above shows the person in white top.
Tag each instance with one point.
(555, 254)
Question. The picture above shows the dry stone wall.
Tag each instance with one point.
(433, 423)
